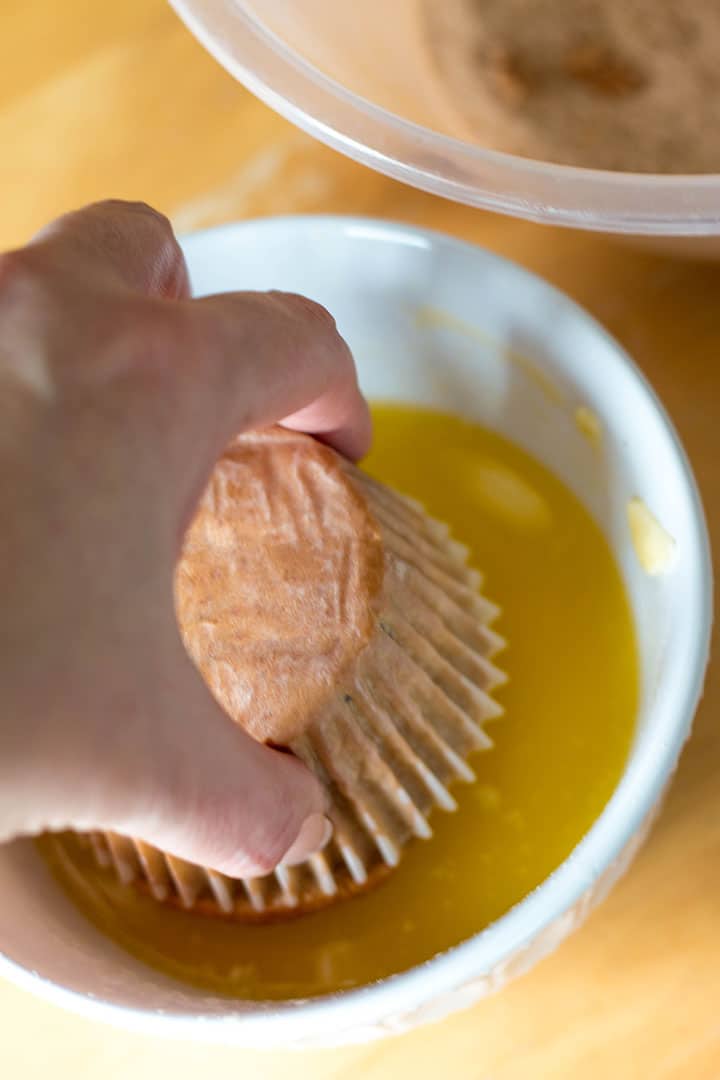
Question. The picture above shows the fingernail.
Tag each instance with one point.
(314, 834)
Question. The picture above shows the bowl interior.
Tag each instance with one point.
(433, 321)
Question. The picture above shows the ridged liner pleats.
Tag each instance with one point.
(389, 745)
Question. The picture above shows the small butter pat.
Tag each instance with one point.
(654, 546)
(588, 424)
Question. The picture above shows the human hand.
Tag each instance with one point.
(117, 395)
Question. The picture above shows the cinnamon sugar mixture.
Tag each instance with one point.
(630, 85)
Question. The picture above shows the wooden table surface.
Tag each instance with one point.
(117, 99)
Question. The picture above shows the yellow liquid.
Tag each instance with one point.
(558, 751)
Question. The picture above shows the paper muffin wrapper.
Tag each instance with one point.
(388, 746)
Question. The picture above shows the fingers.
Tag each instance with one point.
(279, 357)
(151, 386)
(263, 358)
(250, 358)
(128, 242)
(246, 360)
(339, 417)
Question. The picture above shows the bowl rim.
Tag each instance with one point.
(637, 792)
(540, 191)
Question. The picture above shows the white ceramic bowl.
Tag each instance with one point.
(375, 277)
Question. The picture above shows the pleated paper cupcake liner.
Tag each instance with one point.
(389, 745)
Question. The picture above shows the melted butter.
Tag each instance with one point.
(558, 750)
(589, 425)
(654, 546)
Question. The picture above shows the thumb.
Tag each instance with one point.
(157, 759)
(164, 764)
(204, 790)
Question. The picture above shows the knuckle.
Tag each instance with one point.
(311, 311)
(169, 274)
(136, 207)
(156, 220)
(320, 336)
(138, 228)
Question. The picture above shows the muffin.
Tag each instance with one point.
(332, 617)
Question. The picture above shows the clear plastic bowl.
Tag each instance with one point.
(331, 68)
